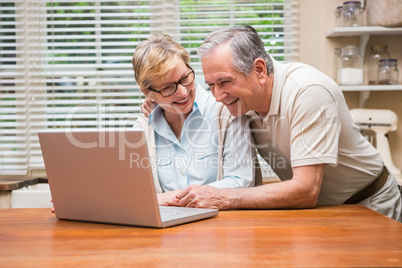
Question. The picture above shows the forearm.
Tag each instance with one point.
(300, 192)
(279, 195)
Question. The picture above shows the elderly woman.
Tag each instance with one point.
(192, 139)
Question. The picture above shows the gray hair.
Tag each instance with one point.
(244, 43)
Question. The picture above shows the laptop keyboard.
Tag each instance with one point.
(169, 215)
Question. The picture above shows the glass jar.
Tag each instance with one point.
(350, 67)
(337, 54)
(377, 53)
(388, 72)
(338, 18)
(352, 14)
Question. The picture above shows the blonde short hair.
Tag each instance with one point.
(156, 57)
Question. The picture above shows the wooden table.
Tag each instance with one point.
(335, 236)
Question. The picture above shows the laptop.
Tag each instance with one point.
(105, 176)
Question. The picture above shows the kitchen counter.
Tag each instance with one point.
(10, 183)
(13, 182)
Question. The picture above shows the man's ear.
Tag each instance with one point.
(260, 69)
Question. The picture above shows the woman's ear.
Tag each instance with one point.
(147, 93)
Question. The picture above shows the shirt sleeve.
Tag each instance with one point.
(238, 156)
(314, 127)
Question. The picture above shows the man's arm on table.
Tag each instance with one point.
(147, 106)
(300, 192)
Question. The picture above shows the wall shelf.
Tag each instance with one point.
(359, 31)
(364, 33)
(372, 88)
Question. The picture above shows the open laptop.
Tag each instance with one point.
(106, 176)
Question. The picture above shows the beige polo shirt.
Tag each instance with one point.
(309, 123)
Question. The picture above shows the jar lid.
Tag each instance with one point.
(350, 49)
(378, 47)
(388, 60)
(387, 63)
(352, 2)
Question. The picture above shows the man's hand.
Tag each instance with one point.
(148, 106)
(205, 196)
(168, 199)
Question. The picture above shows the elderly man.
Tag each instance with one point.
(302, 128)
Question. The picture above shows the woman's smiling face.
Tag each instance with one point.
(181, 102)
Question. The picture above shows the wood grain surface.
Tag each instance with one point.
(331, 236)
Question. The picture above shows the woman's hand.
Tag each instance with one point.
(52, 206)
(168, 199)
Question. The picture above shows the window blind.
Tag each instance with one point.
(67, 64)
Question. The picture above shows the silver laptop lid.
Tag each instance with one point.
(101, 176)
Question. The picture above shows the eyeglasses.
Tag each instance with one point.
(169, 90)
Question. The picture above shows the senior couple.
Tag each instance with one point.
(203, 146)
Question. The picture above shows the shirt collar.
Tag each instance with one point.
(279, 70)
(200, 99)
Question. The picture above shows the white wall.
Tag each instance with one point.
(316, 17)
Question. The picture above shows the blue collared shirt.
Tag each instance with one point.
(194, 158)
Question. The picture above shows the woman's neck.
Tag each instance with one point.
(176, 122)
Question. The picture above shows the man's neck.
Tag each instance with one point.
(265, 98)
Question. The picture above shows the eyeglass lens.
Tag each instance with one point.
(172, 88)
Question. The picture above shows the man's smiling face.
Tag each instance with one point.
(232, 88)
